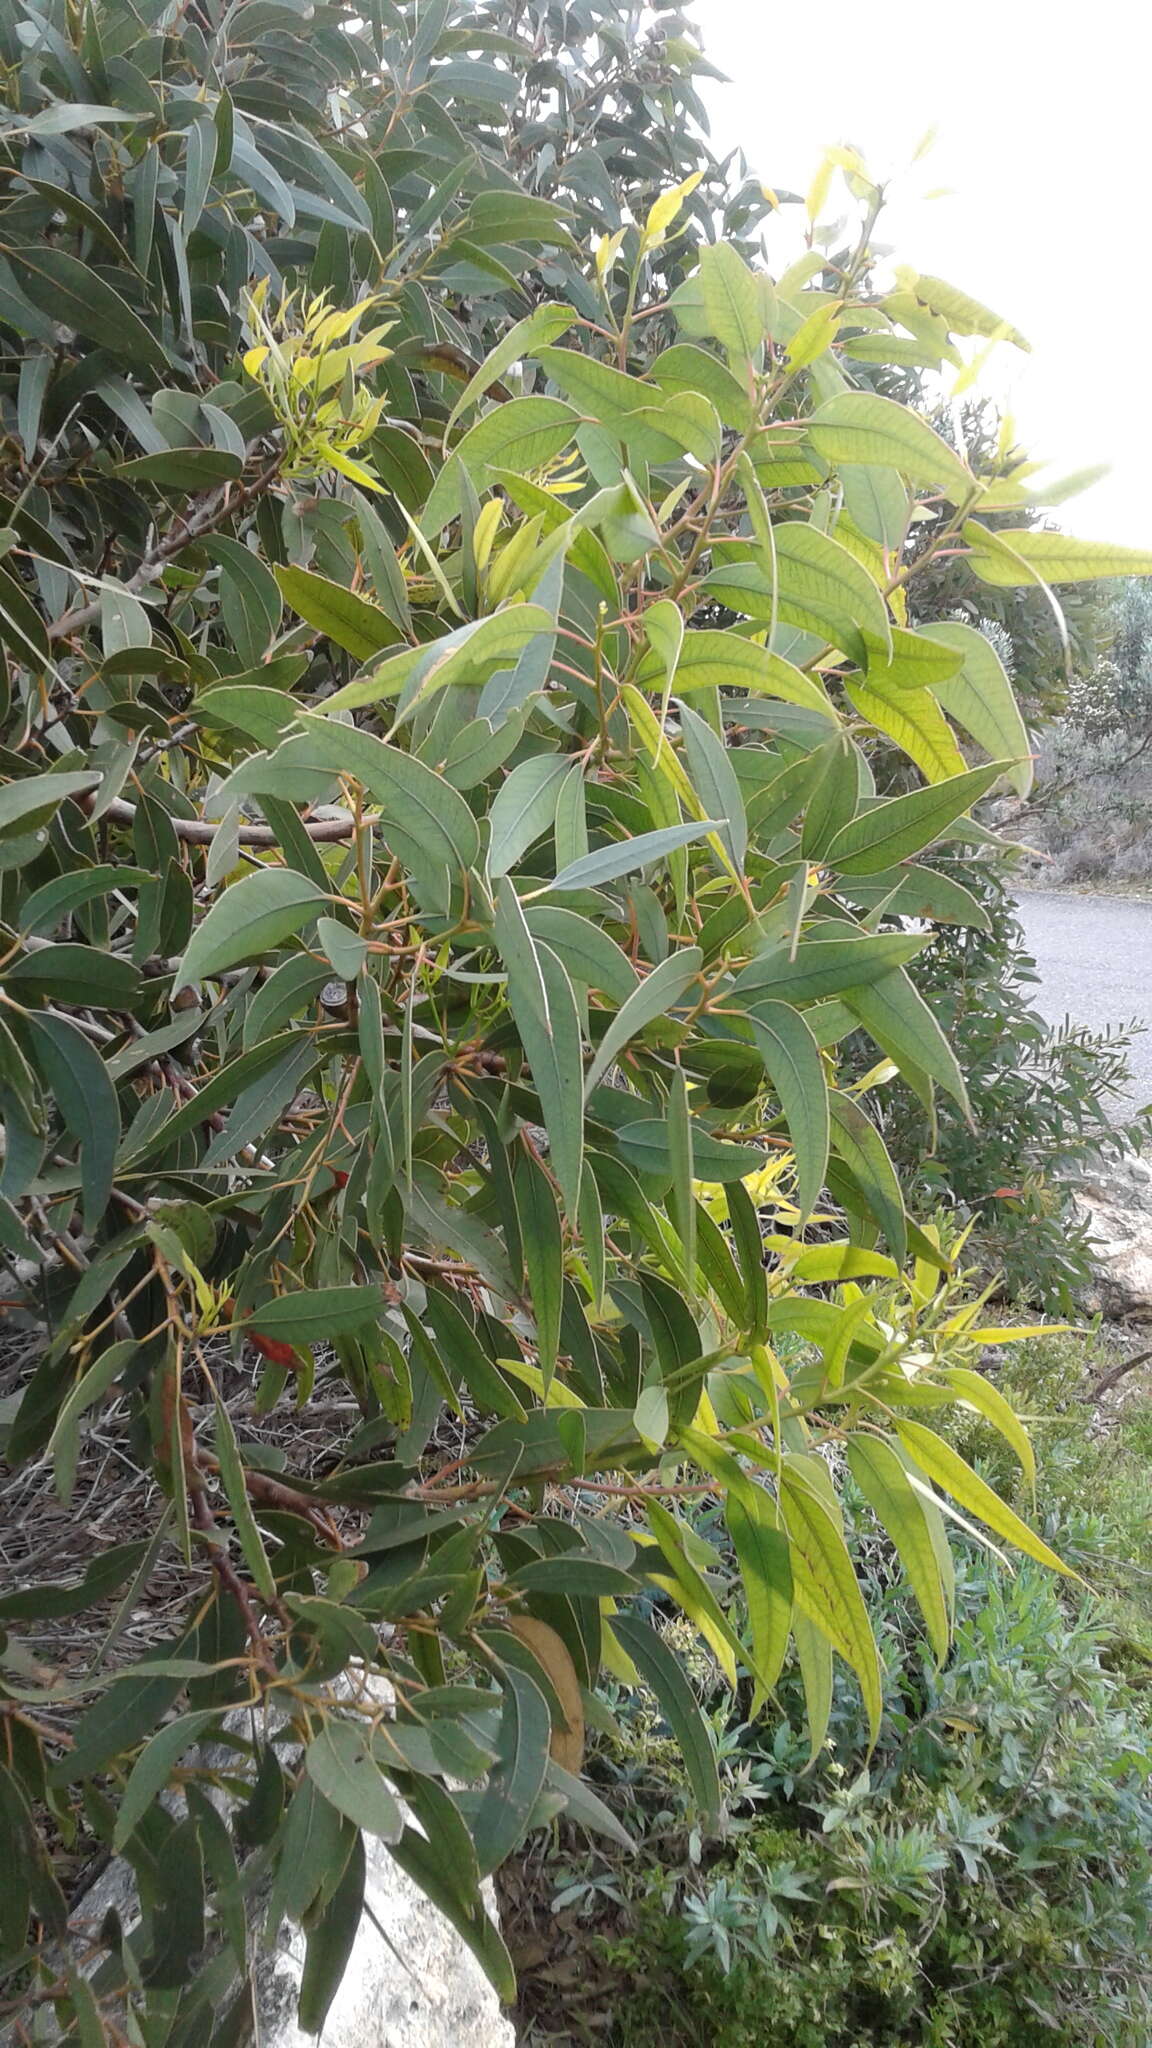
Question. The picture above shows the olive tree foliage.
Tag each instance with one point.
(426, 945)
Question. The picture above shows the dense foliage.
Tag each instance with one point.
(419, 927)
(982, 1879)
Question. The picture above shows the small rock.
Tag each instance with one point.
(1116, 1204)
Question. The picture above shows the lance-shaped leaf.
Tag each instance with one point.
(544, 324)
(357, 626)
(662, 1670)
(792, 1061)
(1013, 557)
(341, 1762)
(915, 721)
(865, 1155)
(711, 659)
(825, 966)
(903, 825)
(981, 699)
(523, 809)
(898, 1018)
(827, 1588)
(881, 1477)
(763, 1554)
(251, 918)
(506, 1808)
(715, 783)
(544, 1007)
(859, 426)
(655, 996)
(626, 856)
(427, 821)
(948, 1470)
(86, 1099)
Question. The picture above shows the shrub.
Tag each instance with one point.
(408, 908)
(1043, 1104)
(983, 1877)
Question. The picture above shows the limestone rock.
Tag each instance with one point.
(413, 1986)
(1116, 1203)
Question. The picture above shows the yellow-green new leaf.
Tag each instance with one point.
(980, 1394)
(859, 426)
(882, 1480)
(981, 699)
(1013, 557)
(828, 1591)
(914, 720)
(947, 1469)
(963, 314)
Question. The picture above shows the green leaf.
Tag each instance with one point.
(903, 825)
(121, 1717)
(340, 1761)
(50, 905)
(184, 469)
(827, 1589)
(423, 818)
(715, 783)
(544, 324)
(687, 368)
(154, 1767)
(330, 1941)
(73, 292)
(357, 626)
(232, 1476)
(981, 699)
(626, 856)
(645, 1144)
(825, 966)
(471, 653)
(918, 661)
(86, 1099)
(524, 808)
(662, 1670)
(82, 975)
(764, 1557)
(948, 1470)
(252, 917)
(544, 1007)
(505, 1811)
(914, 720)
(523, 435)
(589, 955)
(792, 1060)
(865, 1156)
(814, 1655)
(309, 1315)
(655, 996)
(860, 427)
(725, 300)
(103, 1576)
(262, 714)
(903, 1026)
(882, 1480)
(542, 1240)
(431, 1864)
(36, 798)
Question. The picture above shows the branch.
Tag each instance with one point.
(201, 831)
(216, 507)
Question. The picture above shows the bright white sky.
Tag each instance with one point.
(1043, 118)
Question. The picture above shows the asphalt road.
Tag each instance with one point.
(1094, 954)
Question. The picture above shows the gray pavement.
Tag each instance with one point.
(1094, 955)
